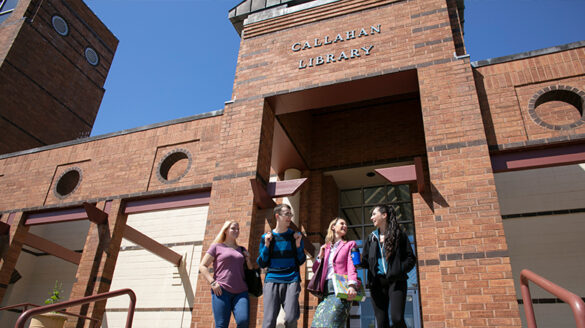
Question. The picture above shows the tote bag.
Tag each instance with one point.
(314, 285)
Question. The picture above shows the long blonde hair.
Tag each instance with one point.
(330, 234)
(220, 238)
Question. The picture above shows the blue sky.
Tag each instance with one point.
(177, 58)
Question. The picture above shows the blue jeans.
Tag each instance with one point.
(224, 305)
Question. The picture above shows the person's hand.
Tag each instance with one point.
(351, 293)
(216, 288)
(298, 238)
(267, 238)
(321, 252)
(247, 258)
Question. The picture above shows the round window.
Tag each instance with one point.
(91, 56)
(68, 182)
(174, 166)
(60, 25)
(558, 107)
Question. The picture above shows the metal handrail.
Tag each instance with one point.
(25, 306)
(576, 303)
(85, 300)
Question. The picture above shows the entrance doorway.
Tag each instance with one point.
(356, 205)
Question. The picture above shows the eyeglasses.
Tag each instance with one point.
(289, 214)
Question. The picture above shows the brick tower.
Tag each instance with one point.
(54, 60)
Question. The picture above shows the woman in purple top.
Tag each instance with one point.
(229, 292)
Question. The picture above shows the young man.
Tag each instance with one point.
(282, 252)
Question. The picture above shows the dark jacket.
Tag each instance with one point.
(400, 263)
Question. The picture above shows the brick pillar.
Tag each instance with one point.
(244, 153)
(466, 273)
(98, 261)
(11, 254)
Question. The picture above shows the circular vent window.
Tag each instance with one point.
(68, 182)
(174, 166)
(91, 56)
(558, 107)
(60, 25)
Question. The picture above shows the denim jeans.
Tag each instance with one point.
(224, 305)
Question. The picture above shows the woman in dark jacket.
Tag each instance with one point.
(388, 257)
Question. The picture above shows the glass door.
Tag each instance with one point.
(356, 206)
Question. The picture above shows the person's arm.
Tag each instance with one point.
(249, 263)
(365, 253)
(410, 257)
(264, 251)
(319, 258)
(206, 262)
(351, 273)
(301, 257)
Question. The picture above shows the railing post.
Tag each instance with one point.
(574, 301)
(85, 300)
(527, 298)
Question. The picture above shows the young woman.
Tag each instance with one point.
(229, 290)
(335, 255)
(388, 257)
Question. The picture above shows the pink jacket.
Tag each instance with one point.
(342, 263)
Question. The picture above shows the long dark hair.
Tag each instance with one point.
(392, 233)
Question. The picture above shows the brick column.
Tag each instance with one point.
(98, 261)
(11, 254)
(244, 153)
(465, 271)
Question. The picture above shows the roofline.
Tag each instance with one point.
(528, 54)
(114, 134)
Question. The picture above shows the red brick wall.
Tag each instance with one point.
(110, 167)
(507, 88)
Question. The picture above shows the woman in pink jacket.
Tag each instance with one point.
(335, 255)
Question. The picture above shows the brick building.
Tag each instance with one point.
(372, 101)
(54, 59)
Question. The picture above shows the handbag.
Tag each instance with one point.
(253, 280)
(314, 285)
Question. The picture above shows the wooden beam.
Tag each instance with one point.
(94, 214)
(50, 247)
(151, 245)
(284, 188)
(261, 197)
(66, 215)
(165, 203)
(405, 174)
(4, 228)
(538, 158)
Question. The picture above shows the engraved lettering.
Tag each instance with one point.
(350, 35)
(367, 50)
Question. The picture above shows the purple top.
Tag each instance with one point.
(228, 267)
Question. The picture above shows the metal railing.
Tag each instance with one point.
(25, 306)
(85, 300)
(576, 303)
